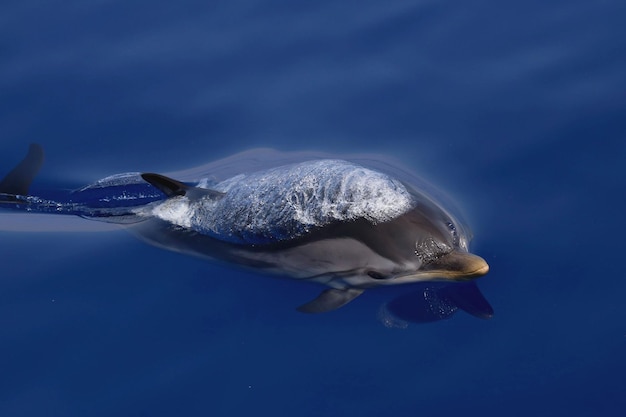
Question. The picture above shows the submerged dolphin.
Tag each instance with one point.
(328, 221)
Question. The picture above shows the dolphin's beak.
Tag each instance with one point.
(454, 266)
(458, 266)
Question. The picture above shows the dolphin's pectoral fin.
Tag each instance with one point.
(171, 188)
(17, 182)
(330, 299)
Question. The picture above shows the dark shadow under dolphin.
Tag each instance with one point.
(431, 302)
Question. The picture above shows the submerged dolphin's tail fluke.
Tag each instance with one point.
(17, 182)
(113, 199)
(15, 185)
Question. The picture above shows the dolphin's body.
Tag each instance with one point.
(329, 221)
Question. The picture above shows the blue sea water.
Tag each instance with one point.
(515, 109)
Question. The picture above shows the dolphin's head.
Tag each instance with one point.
(425, 244)
(441, 244)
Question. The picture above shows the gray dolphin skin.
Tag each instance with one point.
(330, 221)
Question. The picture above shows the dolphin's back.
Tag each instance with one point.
(290, 201)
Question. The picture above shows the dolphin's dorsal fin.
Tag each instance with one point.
(171, 187)
(330, 299)
(168, 186)
(17, 182)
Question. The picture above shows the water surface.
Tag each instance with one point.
(515, 110)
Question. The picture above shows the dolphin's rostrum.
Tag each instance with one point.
(329, 221)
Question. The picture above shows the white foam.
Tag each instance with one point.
(286, 202)
(176, 210)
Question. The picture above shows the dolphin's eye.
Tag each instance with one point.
(375, 275)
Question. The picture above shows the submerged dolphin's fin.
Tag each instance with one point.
(171, 188)
(468, 297)
(330, 299)
(433, 302)
(17, 182)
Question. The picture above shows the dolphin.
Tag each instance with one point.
(330, 221)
